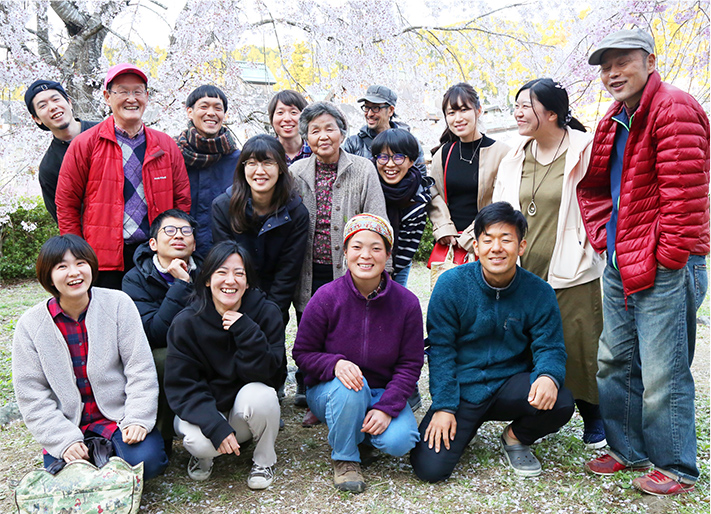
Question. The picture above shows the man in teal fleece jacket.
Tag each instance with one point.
(497, 353)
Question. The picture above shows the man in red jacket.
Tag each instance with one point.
(118, 176)
(645, 201)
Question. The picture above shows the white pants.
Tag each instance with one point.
(254, 415)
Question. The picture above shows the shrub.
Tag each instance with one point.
(21, 238)
(426, 244)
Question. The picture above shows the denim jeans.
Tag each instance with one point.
(344, 410)
(644, 378)
(150, 451)
(401, 277)
(697, 269)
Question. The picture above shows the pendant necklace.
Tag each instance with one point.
(532, 209)
(469, 161)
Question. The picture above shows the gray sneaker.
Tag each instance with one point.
(199, 469)
(347, 476)
(260, 477)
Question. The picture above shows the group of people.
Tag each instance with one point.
(211, 245)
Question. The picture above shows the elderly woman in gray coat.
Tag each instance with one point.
(335, 186)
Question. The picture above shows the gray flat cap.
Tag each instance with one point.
(623, 39)
(379, 95)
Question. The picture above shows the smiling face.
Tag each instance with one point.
(366, 257)
(531, 116)
(325, 138)
(178, 246)
(498, 248)
(391, 172)
(378, 121)
(52, 110)
(262, 176)
(127, 109)
(624, 73)
(72, 278)
(462, 121)
(207, 114)
(286, 121)
(228, 284)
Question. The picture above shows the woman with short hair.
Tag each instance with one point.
(82, 366)
(284, 110)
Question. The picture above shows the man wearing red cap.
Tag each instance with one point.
(117, 177)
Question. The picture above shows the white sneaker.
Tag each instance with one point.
(260, 477)
(199, 469)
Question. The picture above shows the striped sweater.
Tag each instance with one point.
(412, 224)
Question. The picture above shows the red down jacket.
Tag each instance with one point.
(90, 188)
(664, 195)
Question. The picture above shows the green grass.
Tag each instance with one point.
(481, 483)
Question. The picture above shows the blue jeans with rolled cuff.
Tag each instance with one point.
(343, 410)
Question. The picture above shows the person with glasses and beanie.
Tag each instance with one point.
(118, 176)
(379, 110)
(160, 284)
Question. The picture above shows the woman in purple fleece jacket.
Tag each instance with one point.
(361, 348)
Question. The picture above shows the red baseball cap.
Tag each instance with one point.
(123, 69)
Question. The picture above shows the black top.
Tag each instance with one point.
(462, 180)
(277, 245)
(158, 301)
(50, 165)
(206, 365)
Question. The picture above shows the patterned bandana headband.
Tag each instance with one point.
(367, 221)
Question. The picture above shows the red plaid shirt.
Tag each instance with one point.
(77, 339)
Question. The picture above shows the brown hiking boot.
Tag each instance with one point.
(347, 476)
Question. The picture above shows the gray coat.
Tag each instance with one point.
(356, 190)
(120, 369)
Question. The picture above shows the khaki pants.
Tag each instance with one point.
(254, 415)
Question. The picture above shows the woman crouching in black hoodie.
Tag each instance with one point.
(225, 354)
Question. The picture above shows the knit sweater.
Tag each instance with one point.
(206, 365)
(383, 336)
(481, 336)
(119, 367)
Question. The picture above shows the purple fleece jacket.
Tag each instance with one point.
(383, 336)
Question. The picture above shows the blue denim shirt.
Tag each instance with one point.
(624, 122)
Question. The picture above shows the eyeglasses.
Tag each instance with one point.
(384, 158)
(252, 165)
(122, 94)
(373, 108)
(170, 230)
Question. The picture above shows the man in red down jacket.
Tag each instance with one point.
(645, 201)
(118, 176)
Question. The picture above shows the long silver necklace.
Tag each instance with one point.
(481, 139)
(532, 209)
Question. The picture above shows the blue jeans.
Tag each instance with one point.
(401, 277)
(150, 451)
(344, 410)
(644, 378)
(697, 269)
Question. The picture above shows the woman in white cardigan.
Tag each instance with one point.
(539, 177)
(82, 365)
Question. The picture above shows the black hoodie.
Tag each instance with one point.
(207, 365)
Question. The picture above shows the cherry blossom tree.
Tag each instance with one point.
(328, 50)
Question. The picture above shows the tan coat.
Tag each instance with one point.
(438, 211)
(356, 190)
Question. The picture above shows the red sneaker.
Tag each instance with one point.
(608, 465)
(658, 484)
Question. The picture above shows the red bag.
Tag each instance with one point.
(439, 252)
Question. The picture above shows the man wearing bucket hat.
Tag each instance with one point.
(52, 110)
(379, 109)
(645, 201)
(117, 177)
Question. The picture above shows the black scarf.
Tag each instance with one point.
(201, 152)
(398, 197)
